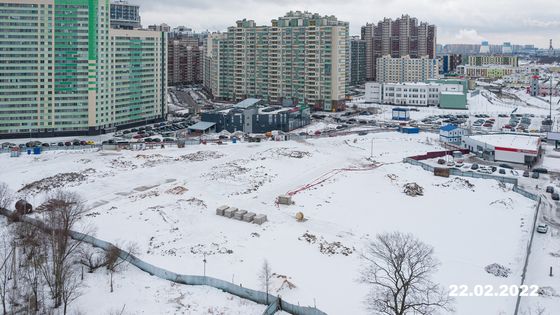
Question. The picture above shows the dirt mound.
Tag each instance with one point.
(498, 270)
(413, 189)
(56, 181)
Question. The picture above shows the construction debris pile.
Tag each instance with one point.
(327, 248)
(241, 215)
(413, 189)
(498, 270)
(56, 181)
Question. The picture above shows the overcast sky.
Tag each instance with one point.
(458, 21)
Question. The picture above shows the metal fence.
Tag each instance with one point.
(471, 174)
(274, 303)
(528, 252)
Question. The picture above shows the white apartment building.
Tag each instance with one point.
(410, 94)
(406, 69)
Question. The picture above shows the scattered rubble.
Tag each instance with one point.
(506, 203)
(212, 249)
(177, 190)
(327, 248)
(547, 291)
(413, 189)
(200, 156)
(498, 270)
(56, 181)
(149, 194)
(457, 183)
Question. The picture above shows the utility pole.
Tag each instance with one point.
(204, 261)
(371, 154)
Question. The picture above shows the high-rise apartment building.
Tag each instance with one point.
(450, 62)
(65, 71)
(357, 61)
(406, 69)
(184, 60)
(404, 36)
(160, 28)
(301, 58)
(125, 16)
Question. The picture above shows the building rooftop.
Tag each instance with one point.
(510, 141)
(246, 103)
(202, 126)
(448, 127)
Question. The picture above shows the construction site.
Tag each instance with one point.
(307, 207)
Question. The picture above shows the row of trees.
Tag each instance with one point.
(42, 268)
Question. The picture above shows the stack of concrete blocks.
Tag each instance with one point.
(259, 219)
(220, 210)
(230, 212)
(239, 215)
(249, 216)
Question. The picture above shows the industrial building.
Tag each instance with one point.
(254, 116)
(98, 80)
(449, 94)
(301, 58)
(514, 148)
(404, 36)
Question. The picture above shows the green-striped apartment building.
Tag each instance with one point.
(63, 70)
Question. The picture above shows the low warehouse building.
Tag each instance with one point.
(514, 148)
(253, 116)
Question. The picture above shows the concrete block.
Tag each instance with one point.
(259, 219)
(230, 212)
(249, 216)
(220, 210)
(285, 200)
(239, 214)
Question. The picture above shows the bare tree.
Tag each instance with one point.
(6, 252)
(116, 257)
(6, 196)
(29, 240)
(62, 212)
(92, 259)
(265, 277)
(399, 268)
(70, 290)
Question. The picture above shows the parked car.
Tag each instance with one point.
(536, 175)
(60, 144)
(555, 196)
(542, 228)
(474, 166)
(362, 133)
(526, 174)
(502, 171)
(509, 167)
(550, 189)
(540, 170)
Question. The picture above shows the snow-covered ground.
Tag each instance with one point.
(164, 200)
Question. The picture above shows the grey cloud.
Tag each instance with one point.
(496, 20)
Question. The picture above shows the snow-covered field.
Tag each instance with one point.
(164, 200)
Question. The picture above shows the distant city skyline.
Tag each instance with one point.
(465, 22)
